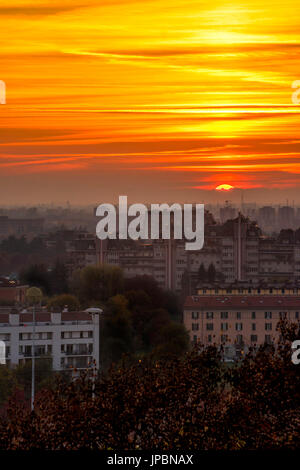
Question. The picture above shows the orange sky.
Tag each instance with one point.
(156, 99)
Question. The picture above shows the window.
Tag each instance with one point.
(224, 315)
(195, 326)
(253, 315)
(268, 339)
(282, 315)
(224, 326)
(195, 339)
(195, 315)
(66, 334)
(268, 314)
(239, 339)
(239, 326)
(25, 336)
(27, 351)
(253, 326)
(209, 326)
(238, 315)
(209, 338)
(268, 326)
(209, 314)
(253, 338)
(224, 338)
(297, 315)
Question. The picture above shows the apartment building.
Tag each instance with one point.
(238, 321)
(237, 249)
(20, 226)
(81, 251)
(69, 339)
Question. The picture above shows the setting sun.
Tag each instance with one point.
(224, 187)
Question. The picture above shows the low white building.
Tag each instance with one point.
(71, 339)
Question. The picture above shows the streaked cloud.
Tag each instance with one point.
(184, 93)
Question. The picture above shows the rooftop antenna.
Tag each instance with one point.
(242, 200)
(239, 273)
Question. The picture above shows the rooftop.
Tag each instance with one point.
(242, 301)
(45, 317)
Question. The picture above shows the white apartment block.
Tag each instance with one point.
(71, 339)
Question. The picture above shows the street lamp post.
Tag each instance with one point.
(34, 295)
(33, 362)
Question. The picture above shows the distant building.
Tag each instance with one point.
(267, 218)
(286, 217)
(227, 212)
(12, 292)
(81, 251)
(238, 250)
(68, 339)
(237, 322)
(20, 227)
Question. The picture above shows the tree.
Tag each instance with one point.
(211, 273)
(64, 300)
(149, 286)
(59, 278)
(117, 336)
(202, 273)
(151, 324)
(43, 374)
(37, 275)
(191, 402)
(173, 339)
(97, 283)
(157, 297)
(7, 383)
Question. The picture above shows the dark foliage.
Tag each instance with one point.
(192, 402)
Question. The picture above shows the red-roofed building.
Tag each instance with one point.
(238, 321)
(12, 291)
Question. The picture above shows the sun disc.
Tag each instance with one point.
(224, 187)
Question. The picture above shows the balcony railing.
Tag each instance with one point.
(77, 353)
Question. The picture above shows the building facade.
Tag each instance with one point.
(19, 227)
(68, 339)
(237, 249)
(12, 291)
(238, 321)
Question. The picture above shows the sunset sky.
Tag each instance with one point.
(155, 99)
